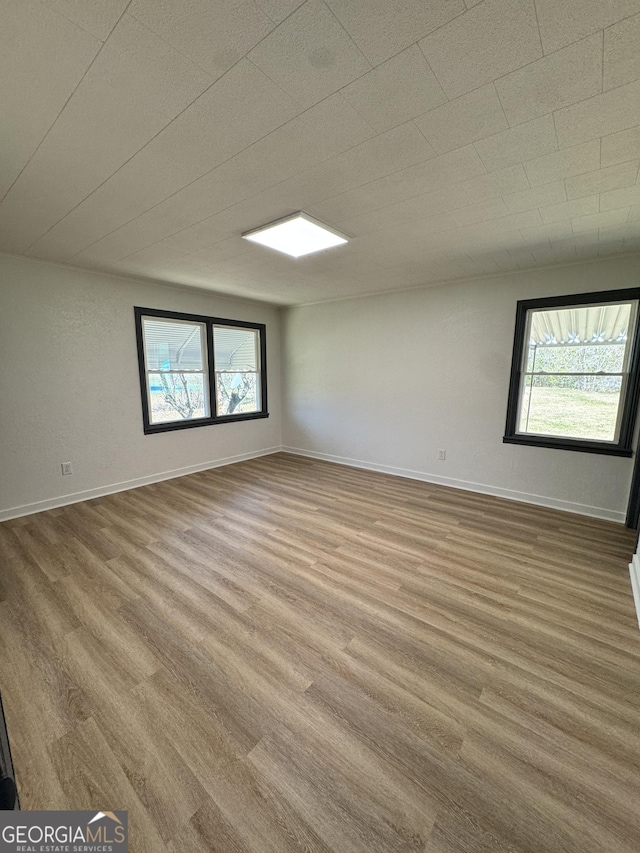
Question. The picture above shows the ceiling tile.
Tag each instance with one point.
(382, 29)
(430, 176)
(463, 120)
(537, 197)
(206, 232)
(632, 238)
(174, 142)
(247, 104)
(522, 257)
(213, 35)
(482, 212)
(497, 227)
(397, 90)
(479, 264)
(432, 225)
(524, 142)
(622, 53)
(310, 55)
(555, 81)
(430, 204)
(538, 233)
(510, 180)
(621, 147)
(485, 260)
(610, 178)
(136, 85)
(383, 219)
(97, 17)
(571, 209)
(232, 247)
(317, 134)
(389, 152)
(518, 221)
(600, 220)
(278, 10)
(42, 59)
(490, 40)
(576, 245)
(240, 108)
(384, 154)
(624, 230)
(154, 258)
(361, 200)
(409, 210)
(562, 23)
(226, 224)
(503, 259)
(603, 114)
(542, 253)
(185, 150)
(620, 198)
(564, 164)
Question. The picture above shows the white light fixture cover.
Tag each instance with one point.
(296, 235)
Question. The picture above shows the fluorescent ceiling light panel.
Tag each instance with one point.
(296, 235)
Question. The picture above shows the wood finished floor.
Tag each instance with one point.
(288, 655)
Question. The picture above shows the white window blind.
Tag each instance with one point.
(197, 370)
(176, 368)
(237, 363)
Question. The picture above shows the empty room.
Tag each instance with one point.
(319, 384)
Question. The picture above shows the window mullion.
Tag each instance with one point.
(174, 398)
(213, 405)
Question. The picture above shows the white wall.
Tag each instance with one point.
(69, 388)
(386, 381)
(70, 392)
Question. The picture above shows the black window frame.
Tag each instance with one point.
(623, 447)
(209, 323)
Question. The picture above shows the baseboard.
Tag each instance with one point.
(77, 497)
(634, 571)
(467, 486)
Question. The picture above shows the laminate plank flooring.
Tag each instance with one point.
(289, 655)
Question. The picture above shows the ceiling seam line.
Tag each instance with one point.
(336, 92)
(75, 89)
(351, 39)
(188, 106)
(193, 103)
(229, 159)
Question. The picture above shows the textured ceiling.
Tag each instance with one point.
(448, 137)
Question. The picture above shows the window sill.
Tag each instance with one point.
(569, 444)
(229, 419)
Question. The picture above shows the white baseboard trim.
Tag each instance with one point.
(88, 494)
(634, 571)
(465, 485)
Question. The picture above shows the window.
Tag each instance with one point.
(196, 371)
(236, 356)
(574, 376)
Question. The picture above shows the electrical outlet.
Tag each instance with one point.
(66, 468)
(442, 455)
